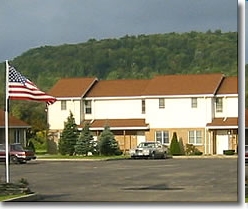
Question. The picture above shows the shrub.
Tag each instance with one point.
(192, 150)
(107, 144)
(175, 146)
(228, 152)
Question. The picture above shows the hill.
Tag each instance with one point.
(141, 56)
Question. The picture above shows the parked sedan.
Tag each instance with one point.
(149, 149)
(17, 153)
(246, 153)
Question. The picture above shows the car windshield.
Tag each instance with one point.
(146, 145)
(17, 147)
(2, 147)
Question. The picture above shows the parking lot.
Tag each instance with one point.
(170, 180)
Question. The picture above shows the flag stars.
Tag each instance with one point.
(15, 76)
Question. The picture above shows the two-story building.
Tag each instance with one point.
(201, 108)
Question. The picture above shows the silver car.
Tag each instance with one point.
(149, 149)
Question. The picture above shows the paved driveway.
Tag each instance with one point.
(170, 180)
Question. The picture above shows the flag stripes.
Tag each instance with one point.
(20, 88)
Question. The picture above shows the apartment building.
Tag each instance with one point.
(201, 108)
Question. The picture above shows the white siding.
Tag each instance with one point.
(230, 108)
(178, 113)
(115, 109)
(57, 117)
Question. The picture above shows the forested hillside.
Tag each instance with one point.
(140, 56)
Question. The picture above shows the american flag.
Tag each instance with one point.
(20, 88)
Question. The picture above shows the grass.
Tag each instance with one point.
(7, 197)
(58, 156)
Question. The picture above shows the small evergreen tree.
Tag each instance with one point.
(175, 146)
(68, 137)
(85, 142)
(181, 145)
(107, 144)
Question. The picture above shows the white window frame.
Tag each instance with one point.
(161, 103)
(88, 106)
(164, 135)
(195, 137)
(63, 105)
(17, 135)
(143, 106)
(219, 104)
(193, 102)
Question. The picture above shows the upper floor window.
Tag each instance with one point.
(162, 137)
(88, 107)
(161, 103)
(143, 106)
(195, 137)
(219, 104)
(193, 102)
(63, 105)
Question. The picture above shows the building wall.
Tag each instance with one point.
(230, 107)
(115, 108)
(15, 136)
(57, 117)
(178, 113)
(182, 135)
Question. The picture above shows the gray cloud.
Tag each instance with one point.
(27, 24)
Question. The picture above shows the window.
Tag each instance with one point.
(162, 137)
(219, 104)
(161, 103)
(194, 102)
(143, 106)
(63, 105)
(17, 136)
(88, 108)
(195, 137)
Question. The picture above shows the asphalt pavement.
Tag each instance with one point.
(170, 180)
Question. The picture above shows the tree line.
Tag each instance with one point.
(139, 57)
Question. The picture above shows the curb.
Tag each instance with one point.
(26, 198)
(205, 156)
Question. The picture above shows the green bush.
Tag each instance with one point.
(108, 145)
(175, 146)
(192, 150)
(228, 152)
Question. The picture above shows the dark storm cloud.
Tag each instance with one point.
(27, 24)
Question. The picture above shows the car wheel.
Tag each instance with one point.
(153, 155)
(165, 155)
(14, 159)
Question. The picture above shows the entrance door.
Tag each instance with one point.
(141, 137)
(221, 143)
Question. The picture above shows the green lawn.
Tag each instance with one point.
(58, 156)
(6, 197)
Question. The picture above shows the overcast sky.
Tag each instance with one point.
(27, 24)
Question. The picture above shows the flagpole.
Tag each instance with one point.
(7, 123)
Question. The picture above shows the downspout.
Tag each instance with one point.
(205, 141)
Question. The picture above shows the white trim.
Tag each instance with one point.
(150, 97)
(121, 128)
(69, 98)
(221, 127)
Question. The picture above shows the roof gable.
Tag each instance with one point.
(13, 121)
(229, 85)
(184, 84)
(72, 87)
